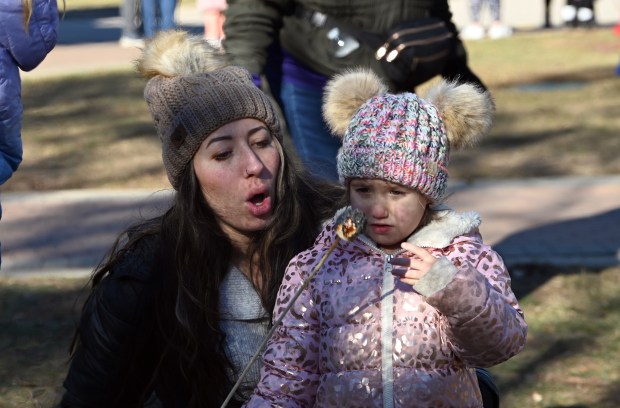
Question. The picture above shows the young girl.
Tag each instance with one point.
(400, 316)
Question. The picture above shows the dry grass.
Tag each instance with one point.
(90, 131)
(37, 319)
(570, 359)
(557, 106)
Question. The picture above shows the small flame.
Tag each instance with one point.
(350, 223)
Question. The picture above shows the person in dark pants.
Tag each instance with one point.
(578, 13)
(157, 15)
(296, 56)
(547, 23)
(131, 31)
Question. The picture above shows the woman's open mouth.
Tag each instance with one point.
(259, 204)
(258, 199)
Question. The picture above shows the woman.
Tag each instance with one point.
(183, 300)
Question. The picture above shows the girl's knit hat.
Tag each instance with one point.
(400, 137)
(192, 91)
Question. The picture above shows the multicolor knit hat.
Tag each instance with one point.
(192, 91)
(400, 137)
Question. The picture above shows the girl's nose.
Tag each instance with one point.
(379, 210)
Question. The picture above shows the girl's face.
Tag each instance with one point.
(237, 167)
(392, 211)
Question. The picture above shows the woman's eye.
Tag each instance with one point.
(263, 143)
(222, 156)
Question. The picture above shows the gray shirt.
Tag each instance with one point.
(245, 322)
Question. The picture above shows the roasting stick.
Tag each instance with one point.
(351, 223)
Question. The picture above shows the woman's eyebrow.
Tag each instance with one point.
(218, 139)
(257, 129)
(229, 137)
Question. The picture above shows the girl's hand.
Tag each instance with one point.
(411, 269)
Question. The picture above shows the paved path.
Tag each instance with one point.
(564, 221)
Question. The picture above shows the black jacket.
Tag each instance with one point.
(251, 26)
(118, 361)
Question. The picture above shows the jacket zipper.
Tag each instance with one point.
(387, 323)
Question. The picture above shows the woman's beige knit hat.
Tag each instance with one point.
(192, 91)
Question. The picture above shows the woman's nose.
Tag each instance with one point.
(253, 164)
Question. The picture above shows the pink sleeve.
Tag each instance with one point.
(483, 322)
(289, 376)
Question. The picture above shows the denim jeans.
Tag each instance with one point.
(157, 15)
(315, 145)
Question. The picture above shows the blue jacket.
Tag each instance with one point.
(20, 50)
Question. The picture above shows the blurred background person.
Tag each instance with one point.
(131, 31)
(28, 32)
(476, 30)
(213, 15)
(157, 15)
(578, 13)
(547, 23)
(287, 44)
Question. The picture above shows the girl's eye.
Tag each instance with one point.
(361, 190)
(397, 192)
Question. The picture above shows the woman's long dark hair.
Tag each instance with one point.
(195, 257)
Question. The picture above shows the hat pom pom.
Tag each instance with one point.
(467, 111)
(345, 93)
(176, 52)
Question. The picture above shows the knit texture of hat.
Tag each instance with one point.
(398, 138)
(186, 109)
(192, 91)
(403, 138)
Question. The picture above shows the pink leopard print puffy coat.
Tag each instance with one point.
(358, 337)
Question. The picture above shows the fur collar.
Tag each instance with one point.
(449, 225)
